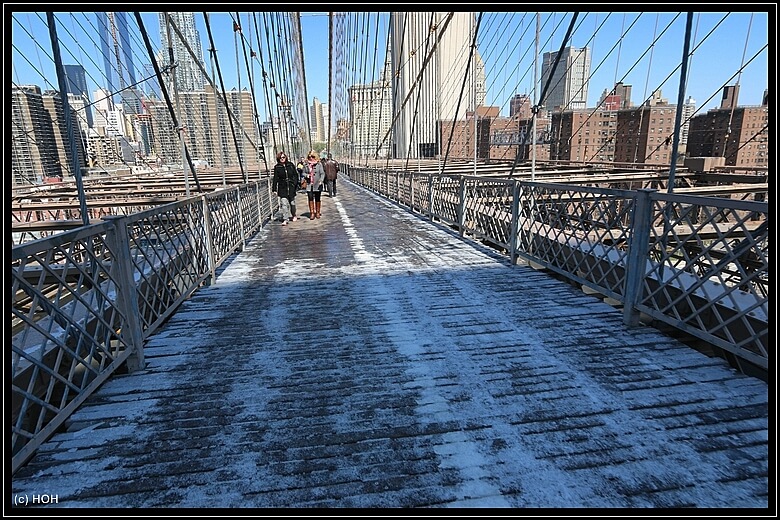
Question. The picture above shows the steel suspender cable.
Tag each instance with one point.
(416, 110)
(549, 79)
(164, 91)
(462, 88)
(252, 95)
(419, 76)
(739, 77)
(55, 45)
(266, 90)
(224, 94)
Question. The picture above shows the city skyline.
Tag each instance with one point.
(706, 80)
(430, 76)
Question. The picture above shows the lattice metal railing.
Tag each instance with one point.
(446, 198)
(404, 193)
(708, 270)
(700, 264)
(488, 206)
(581, 232)
(169, 256)
(250, 209)
(421, 194)
(67, 315)
(393, 185)
(384, 186)
(224, 222)
(32, 224)
(83, 301)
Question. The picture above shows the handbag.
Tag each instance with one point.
(304, 184)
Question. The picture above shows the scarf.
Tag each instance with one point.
(312, 164)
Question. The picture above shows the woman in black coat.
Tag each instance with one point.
(285, 185)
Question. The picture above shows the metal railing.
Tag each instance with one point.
(85, 300)
(699, 264)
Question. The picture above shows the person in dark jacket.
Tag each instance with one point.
(285, 185)
(331, 173)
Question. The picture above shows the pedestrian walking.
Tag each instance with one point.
(331, 174)
(302, 172)
(316, 176)
(285, 184)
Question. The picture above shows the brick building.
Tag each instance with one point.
(583, 135)
(644, 134)
(738, 134)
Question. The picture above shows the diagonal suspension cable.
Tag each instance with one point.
(164, 91)
(224, 94)
(540, 103)
(417, 80)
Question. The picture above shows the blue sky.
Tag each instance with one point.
(722, 44)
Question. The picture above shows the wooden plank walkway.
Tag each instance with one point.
(369, 359)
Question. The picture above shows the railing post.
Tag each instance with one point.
(411, 192)
(259, 207)
(515, 222)
(430, 195)
(127, 297)
(636, 261)
(398, 186)
(209, 241)
(462, 205)
(270, 201)
(240, 219)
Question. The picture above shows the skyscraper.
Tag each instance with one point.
(688, 110)
(152, 86)
(480, 85)
(189, 77)
(38, 138)
(118, 65)
(429, 59)
(33, 152)
(370, 116)
(568, 89)
(76, 83)
(318, 121)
